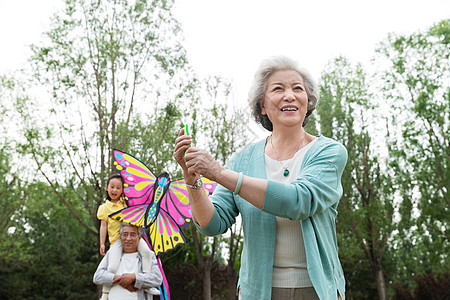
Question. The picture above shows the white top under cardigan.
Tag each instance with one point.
(289, 266)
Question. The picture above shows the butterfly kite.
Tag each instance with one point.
(155, 202)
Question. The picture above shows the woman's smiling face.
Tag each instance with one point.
(285, 99)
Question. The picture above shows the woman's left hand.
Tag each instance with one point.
(194, 161)
(199, 161)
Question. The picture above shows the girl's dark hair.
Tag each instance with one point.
(113, 176)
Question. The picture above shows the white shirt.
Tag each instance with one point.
(289, 266)
(128, 264)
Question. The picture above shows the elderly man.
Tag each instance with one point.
(131, 280)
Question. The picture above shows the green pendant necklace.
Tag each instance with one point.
(286, 169)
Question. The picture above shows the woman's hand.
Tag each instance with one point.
(194, 161)
(182, 144)
(199, 161)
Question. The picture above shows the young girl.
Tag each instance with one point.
(115, 202)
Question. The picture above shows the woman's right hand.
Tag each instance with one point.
(102, 250)
(201, 207)
(182, 143)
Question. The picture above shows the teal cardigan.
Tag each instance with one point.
(312, 198)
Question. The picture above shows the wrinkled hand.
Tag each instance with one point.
(199, 161)
(126, 281)
(131, 288)
(182, 143)
(194, 161)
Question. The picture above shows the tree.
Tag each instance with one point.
(225, 135)
(12, 200)
(234, 246)
(11, 187)
(366, 212)
(101, 60)
(51, 253)
(416, 75)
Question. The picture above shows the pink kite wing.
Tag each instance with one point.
(155, 202)
(209, 185)
(165, 233)
(134, 215)
(164, 288)
(177, 204)
(139, 180)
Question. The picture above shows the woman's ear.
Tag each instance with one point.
(263, 109)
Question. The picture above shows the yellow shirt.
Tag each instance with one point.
(103, 213)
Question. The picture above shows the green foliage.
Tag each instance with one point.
(432, 286)
(116, 76)
(186, 282)
(12, 198)
(151, 139)
(108, 68)
(224, 123)
(218, 128)
(50, 255)
(366, 210)
(417, 77)
(107, 65)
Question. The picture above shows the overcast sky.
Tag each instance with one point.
(229, 38)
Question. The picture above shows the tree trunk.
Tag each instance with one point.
(232, 281)
(204, 263)
(381, 283)
(207, 280)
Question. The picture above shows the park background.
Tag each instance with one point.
(128, 74)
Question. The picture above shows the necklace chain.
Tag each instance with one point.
(286, 169)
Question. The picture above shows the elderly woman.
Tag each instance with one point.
(286, 187)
